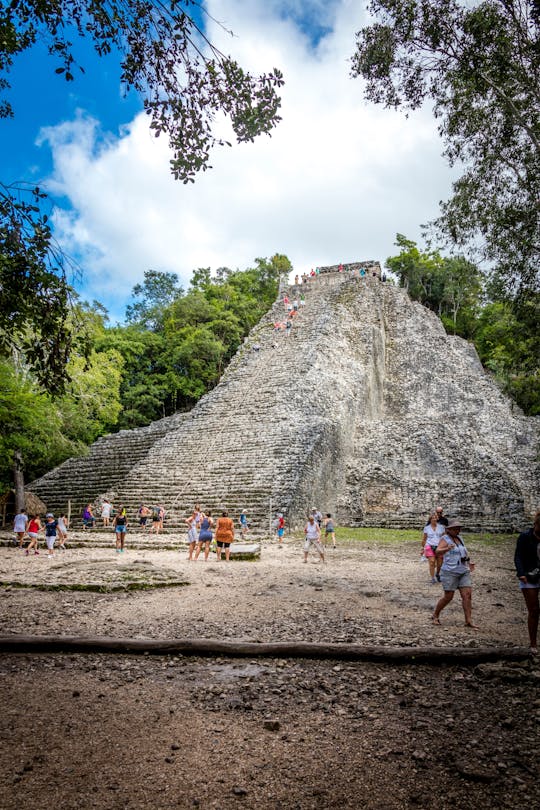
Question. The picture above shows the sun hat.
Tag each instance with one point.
(49, 514)
(454, 524)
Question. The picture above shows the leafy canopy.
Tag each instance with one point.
(505, 332)
(184, 82)
(46, 427)
(479, 64)
(183, 78)
(177, 344)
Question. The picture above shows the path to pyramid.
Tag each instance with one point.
(367, 594)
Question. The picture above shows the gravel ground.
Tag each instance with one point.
(104, 731)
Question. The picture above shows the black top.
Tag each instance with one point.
(527, 551)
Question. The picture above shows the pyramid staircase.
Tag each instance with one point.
(366, 409)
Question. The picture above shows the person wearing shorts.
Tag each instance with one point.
(431, 536)
(88, 517)
(312, 531)
(205, 536)
(329, 530)
(280, 527)
(224, 535)
(34, 527)
(62, 531)
(244, 525)
(120, 527)
(106, 508)
(51, 526)
(455, 573)
(144, 514)
(527, 562)
(20, 523)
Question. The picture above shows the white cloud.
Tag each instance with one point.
(335, 182)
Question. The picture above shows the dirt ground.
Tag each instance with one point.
(125, 731)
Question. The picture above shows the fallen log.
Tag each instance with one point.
(239, 649)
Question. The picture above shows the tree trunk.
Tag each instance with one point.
(18, 480)
(239, 648)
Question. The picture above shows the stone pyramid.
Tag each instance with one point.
(365, 408)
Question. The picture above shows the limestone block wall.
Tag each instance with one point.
(366, 409)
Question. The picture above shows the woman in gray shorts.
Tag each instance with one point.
(455, 573)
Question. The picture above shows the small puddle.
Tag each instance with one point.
(227, 671)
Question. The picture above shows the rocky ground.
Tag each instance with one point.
(104, 731)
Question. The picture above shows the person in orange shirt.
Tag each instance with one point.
(224, 535)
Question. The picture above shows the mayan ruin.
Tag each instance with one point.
(366, 406)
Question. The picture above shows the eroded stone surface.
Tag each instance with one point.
(367, 409)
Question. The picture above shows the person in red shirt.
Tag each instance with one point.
(33, 528)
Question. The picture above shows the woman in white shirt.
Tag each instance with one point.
(430, 540)
(312, 530)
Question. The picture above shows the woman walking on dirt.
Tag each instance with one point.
(312, 530)
(329, 529)
(120, 527)
(455, 573)
(33, 528)
(527, 562)
(62, 527)
(224, 535)
(430, 540)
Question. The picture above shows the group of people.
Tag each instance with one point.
(292, 308)
(354, 270)
(313, 533)
(202, 531)
(451, 565)
(154, 514)
(442, 546)
(31, 526)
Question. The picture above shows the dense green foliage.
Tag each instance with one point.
(177, 344)
(504, 330)
(34, 294)
(451, 287)
(47, 424)
(479, 64)
(173, 349)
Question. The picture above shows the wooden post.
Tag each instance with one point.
(69, 512)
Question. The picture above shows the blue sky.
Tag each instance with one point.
(40, 97)
(336, 182)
